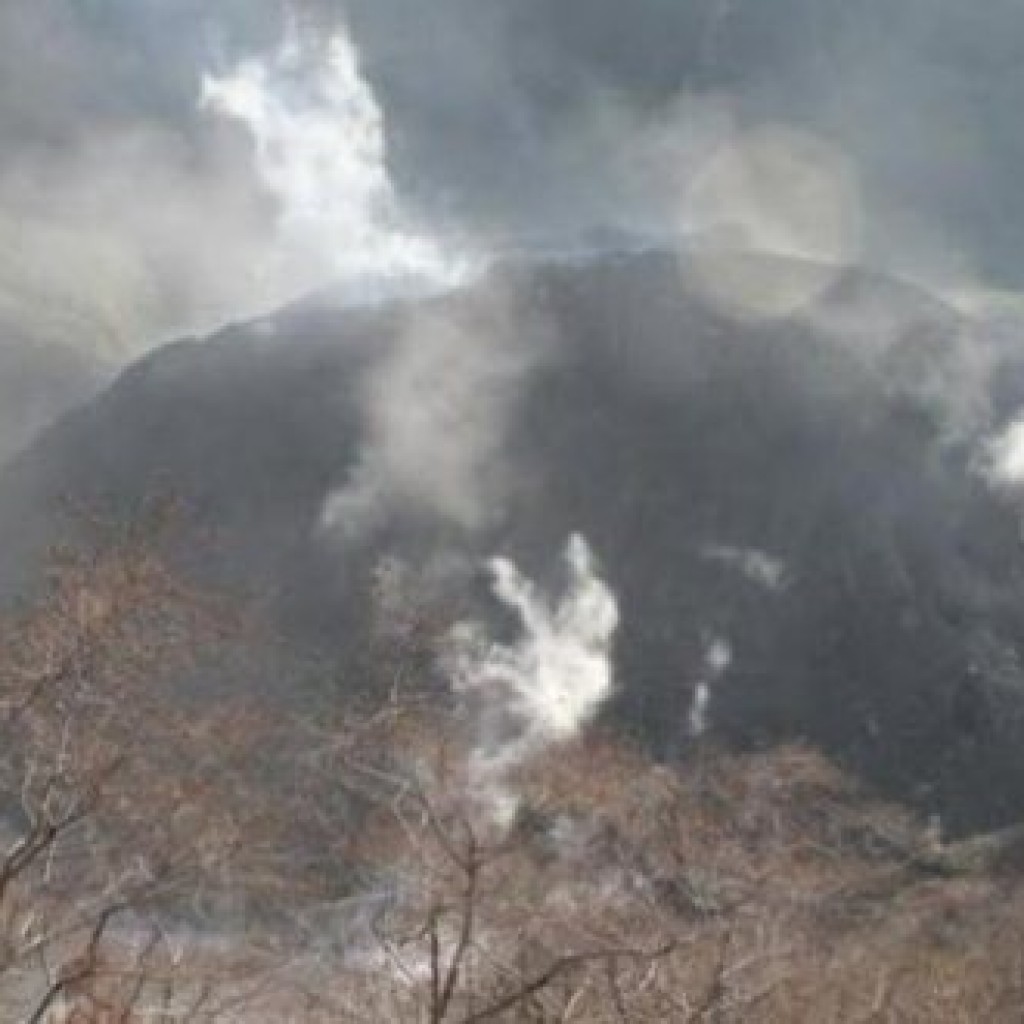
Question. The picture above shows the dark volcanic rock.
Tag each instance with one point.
(802, 490)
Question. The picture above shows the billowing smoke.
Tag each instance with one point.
(823, 129)
(320, 151)
(545, 687)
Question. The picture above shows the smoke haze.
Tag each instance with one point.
(436, 410)
(172, 166)
(490, 121)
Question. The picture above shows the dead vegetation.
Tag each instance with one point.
(167, 859)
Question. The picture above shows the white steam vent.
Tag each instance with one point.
(544, 688)
(320, 151)
(1001, 459)
(718, 659)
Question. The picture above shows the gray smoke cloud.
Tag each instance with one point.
(536, 118)
(518, 109)
(137, 202)
(436, 410)
(123, 217)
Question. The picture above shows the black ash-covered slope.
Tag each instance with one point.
(801, 491)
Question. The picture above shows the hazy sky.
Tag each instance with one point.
(503, 119)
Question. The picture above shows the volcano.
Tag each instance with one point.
(790, 510)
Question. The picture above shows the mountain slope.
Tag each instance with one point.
(787, 510)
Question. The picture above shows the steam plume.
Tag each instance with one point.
(717, 661)
(1001, 460)
(320, 151)
(436, 410)
(544, 688)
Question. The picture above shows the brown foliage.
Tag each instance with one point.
(173, 858)
(119, 799)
